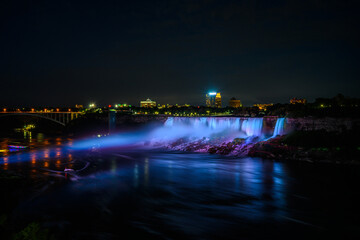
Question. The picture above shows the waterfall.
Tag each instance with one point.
(252, 127)
(279, 127)
(227, 127)
(187, 130)
(169, 122)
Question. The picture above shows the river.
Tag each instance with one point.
(160, 194)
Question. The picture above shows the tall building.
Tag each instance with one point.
(218, 100)
(234, 103)
(147, 103)
(210, 99)
(213, 99)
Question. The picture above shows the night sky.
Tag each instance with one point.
(75, 52)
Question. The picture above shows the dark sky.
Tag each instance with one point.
(68, 52)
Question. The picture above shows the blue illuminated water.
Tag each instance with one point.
(119, 186)
(279, 127)
(252, 126)
(209, 126)
(172, 195)
(189, 130)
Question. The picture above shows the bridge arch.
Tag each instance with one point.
(47, 116)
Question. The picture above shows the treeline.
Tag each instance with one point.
(338, 106)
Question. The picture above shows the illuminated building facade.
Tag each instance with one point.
(263, 106)
(213, 99)
(234, 103)
(298, 101)
(147, 103)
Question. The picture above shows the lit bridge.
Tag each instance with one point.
(62, 118)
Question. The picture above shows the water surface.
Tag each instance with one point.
(172, 195)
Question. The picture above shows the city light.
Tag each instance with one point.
(213, 99)
(91, 105)
(29, 127)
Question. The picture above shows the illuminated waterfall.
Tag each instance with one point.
(211, 126)
(180, 133)
(279, 127)
(185, 130)
(252, 127)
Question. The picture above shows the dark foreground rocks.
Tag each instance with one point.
(309, 146)
(277, 149)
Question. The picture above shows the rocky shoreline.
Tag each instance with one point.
(274, 149)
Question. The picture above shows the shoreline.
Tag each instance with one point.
(271, 149)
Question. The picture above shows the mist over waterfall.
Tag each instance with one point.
(198, 134)
(209, 127)
(221, 135)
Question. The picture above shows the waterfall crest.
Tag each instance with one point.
(193, 134)
(230, 127)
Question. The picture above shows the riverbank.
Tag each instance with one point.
(309, 146)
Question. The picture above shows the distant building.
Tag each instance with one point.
(235, 103)
(79, 106)
(263, 106)
(218, 100)
(210, 99)
(298, 101)
(147, 103)
(213, 99)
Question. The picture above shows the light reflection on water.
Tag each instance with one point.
(172, 195)
(40, 155)
(207, 189)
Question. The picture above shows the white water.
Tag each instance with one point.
(190, 129)
(279, 127)
(252, 127)
(209, 127)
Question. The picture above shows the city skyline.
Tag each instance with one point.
(69, 53)
(154, 103)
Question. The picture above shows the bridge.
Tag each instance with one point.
(62, 118)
